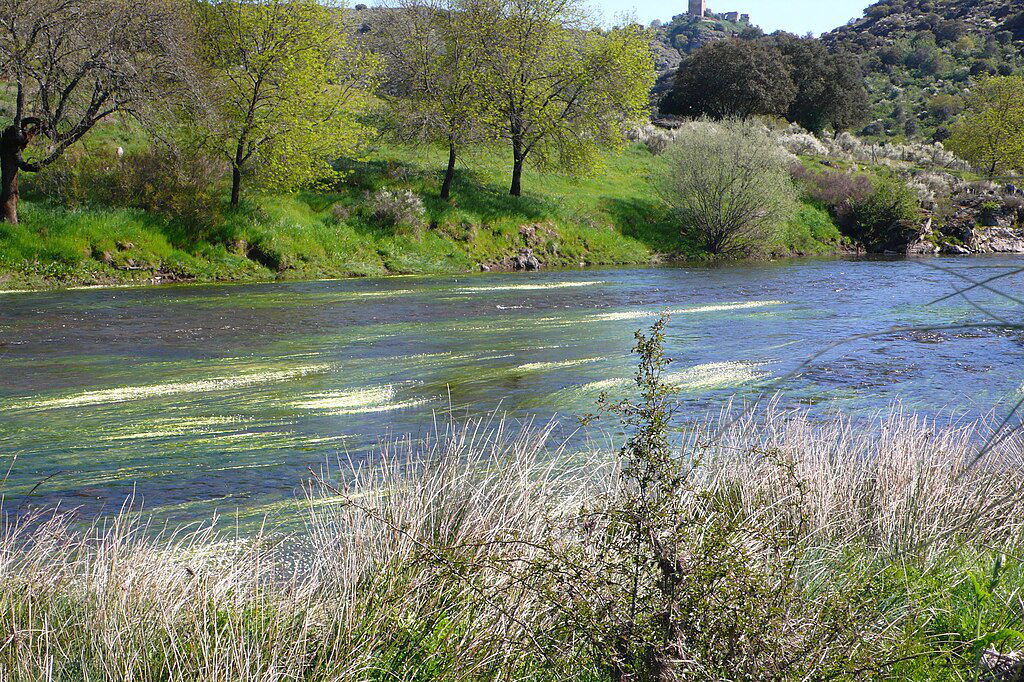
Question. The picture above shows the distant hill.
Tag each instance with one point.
(920, 57)
(675, 39)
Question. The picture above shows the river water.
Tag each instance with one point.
(201, 398)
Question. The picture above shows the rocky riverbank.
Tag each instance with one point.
(966, 218)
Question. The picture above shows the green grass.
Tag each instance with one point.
(609, 217)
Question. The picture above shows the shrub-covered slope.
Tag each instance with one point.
(920, 57)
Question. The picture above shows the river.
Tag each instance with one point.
(192, 399)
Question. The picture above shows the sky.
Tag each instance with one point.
(795, 16)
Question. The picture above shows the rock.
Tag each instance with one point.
(125, 246)
(529, 234)
(1013, 189)
(922, 248)
(955, 249)
(997, 240)
(525, 260)
(537, 234)
(107, 257)
(998, 667)
(484, 267)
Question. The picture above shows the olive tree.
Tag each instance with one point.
(278, 89)
(728, 185)
(558, 88)
(71, 65)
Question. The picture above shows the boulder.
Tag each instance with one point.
(997, 240)
(525, 260)
(922, 247)
(955, 249)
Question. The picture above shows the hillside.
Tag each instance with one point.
(920, 57)
(673, 40)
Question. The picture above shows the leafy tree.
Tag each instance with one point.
(73, 64)
(557, 89)
(991, 131)
(278, 88)
(926, 57)
(732, 78)
(728, 184)
(434, 67)
(830, 88)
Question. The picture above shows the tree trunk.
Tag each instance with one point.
(10, 154)
(446, 186)
(236, 185)
(517, 178)
(518, 155)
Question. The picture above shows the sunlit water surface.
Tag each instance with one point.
(195, 399)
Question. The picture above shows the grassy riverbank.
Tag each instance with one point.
(611, 217)
(815, 551)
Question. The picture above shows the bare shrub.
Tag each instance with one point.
(799, 141)
(655, 139)
(396, 208)
(728, 185)
(837, 190)
(340, 213)
(932, 189)
(167, 181)
(848, 146)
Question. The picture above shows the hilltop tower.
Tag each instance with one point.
(698, 8)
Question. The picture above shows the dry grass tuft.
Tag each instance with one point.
(425, 563)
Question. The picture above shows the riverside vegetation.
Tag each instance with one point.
(765, 547)
(112, 223)
(285, 139)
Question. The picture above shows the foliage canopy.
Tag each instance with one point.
(991, 131)
(277, 90)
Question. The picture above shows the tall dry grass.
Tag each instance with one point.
(424, 562)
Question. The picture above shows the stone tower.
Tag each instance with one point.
(698, 8)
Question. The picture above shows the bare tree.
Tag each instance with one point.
(72, 64)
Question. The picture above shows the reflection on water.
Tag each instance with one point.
(221, 397)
